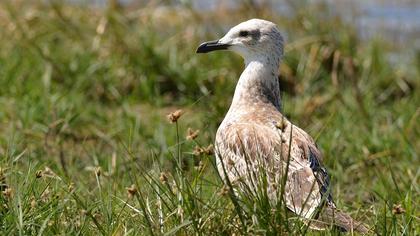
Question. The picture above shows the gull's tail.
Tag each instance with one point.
(332, 216)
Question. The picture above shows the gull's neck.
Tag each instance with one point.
(258, 84)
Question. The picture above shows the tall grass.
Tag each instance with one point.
(86, 147)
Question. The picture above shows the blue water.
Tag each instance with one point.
(398, 23)
(392, 20)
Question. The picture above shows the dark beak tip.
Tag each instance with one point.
(202, 48)
(199, 49)
(211, 46)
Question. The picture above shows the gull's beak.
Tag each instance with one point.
(212, 46)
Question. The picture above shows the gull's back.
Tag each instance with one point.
(254, 142)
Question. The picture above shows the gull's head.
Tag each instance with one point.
(251, 39)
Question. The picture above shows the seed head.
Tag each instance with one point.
(282, 125)
(131, 191)
(174, 116)
(198, 151)
(8, 192)
(192, 134)
(209, 150)
(397, 209)
(98, 171)
(163, 178)
(38, 174)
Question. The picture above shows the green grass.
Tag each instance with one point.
(86, 147)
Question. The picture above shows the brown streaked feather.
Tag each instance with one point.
(245, 147)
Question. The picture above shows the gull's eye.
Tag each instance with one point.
(243, 33)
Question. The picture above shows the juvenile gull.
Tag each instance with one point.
(254, 138)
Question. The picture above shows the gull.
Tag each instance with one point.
(255, 139)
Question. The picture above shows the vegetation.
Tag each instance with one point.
(86, 146)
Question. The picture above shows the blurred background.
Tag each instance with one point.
(86, 68)
(83, 83)
(395, 20)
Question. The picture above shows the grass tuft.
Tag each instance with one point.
(86, 147)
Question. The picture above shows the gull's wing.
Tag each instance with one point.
(244, 149)
(321, 175)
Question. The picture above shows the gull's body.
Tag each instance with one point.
(256, 140)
